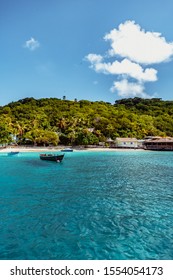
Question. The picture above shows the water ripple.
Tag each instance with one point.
(92, 206)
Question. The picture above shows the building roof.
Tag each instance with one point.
(152, 137)
(126, 139)
(160, 140)
(109, 140)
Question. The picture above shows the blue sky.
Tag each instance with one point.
(86, 49)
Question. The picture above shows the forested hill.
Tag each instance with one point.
(52, 121)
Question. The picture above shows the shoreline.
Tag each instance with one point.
(58, 149)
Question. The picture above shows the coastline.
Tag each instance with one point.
(58, 149)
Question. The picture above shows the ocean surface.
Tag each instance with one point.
(92, 206)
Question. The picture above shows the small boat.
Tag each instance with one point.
(13, 153)
(52, 157)
(67, 150)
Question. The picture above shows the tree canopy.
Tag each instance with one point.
(49, 121)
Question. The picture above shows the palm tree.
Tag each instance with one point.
(62, 124)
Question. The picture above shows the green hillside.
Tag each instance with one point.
(52, 121)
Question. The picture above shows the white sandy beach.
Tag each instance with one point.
(58, 149)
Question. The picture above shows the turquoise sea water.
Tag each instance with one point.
(93, 205)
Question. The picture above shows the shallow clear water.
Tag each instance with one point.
(93, 205)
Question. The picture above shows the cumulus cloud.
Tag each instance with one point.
(130, 41)
(94, 58)
(126, 89)
(32, 44)
(124, 67)
(132, 49)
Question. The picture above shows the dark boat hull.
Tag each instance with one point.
(49, 157)
(13, 153)
(67, 150)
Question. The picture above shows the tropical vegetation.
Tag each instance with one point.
(52, 121)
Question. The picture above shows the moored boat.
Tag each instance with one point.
(52, 157)
(67, 150)
(13, 153)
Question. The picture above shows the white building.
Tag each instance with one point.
(130, 143)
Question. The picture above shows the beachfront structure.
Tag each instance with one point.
(129, 143)
(159, 144)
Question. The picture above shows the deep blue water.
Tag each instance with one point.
(93, 205)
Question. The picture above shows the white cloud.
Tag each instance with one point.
(132, 42)
(32, 44)
(125, 67)
(94, 58)
(134, 48)
(127, 89)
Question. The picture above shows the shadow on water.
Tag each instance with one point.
(40, 163)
